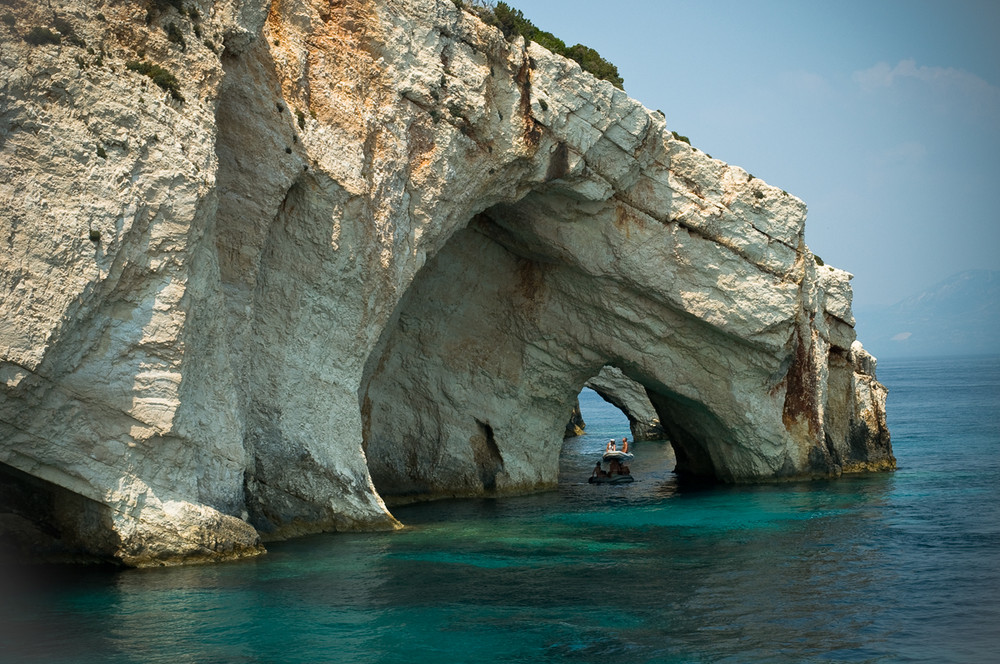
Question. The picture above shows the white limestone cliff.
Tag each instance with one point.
(376, 251)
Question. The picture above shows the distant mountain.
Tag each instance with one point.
(958, 316)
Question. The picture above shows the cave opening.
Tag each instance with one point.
(468, 390)
(42, 522)
(626, 396)
(601, 414)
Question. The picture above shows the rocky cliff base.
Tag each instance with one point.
(268, 263)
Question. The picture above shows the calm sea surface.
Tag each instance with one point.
(901, 567)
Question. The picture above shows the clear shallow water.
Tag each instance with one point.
(901, 567)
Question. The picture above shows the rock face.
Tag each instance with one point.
(375, 252)
(576, 426)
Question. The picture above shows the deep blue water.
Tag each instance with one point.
(898, 567)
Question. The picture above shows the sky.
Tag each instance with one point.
(882, 115)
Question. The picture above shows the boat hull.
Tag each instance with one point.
(614, 479)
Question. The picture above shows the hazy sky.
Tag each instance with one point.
(883, 116)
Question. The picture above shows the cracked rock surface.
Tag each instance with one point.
(372, 254)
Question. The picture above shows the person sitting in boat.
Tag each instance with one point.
(614, 467)
(624, 444)
(610, 447)
(598, 471)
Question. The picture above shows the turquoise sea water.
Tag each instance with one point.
(900, 567)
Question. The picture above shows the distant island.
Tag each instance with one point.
(957, 316)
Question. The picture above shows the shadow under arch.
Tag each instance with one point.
(467, 391)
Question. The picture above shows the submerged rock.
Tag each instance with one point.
(374, 250)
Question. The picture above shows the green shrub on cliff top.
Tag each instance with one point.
(512, 22)
(158, 75)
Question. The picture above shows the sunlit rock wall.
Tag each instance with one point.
(376, 249)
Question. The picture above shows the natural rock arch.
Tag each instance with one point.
(209, 331)
(631, 399)
(503, 326)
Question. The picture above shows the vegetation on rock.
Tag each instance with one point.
(159, 75)
(162, 5)
(512, 23)
(678, 137)
(175, 36)
(39, 35)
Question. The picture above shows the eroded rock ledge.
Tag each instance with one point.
(375, 253)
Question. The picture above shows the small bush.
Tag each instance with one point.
(95, 235)
(819, 261)
(592, 61)
(67, 32)
(63, 26)
(38, 36)
(101, 153)
(678, 137)
(163, 5)
(158, 75)
(175, 35)
(512, 22)
(8, 19)
(302, 119)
